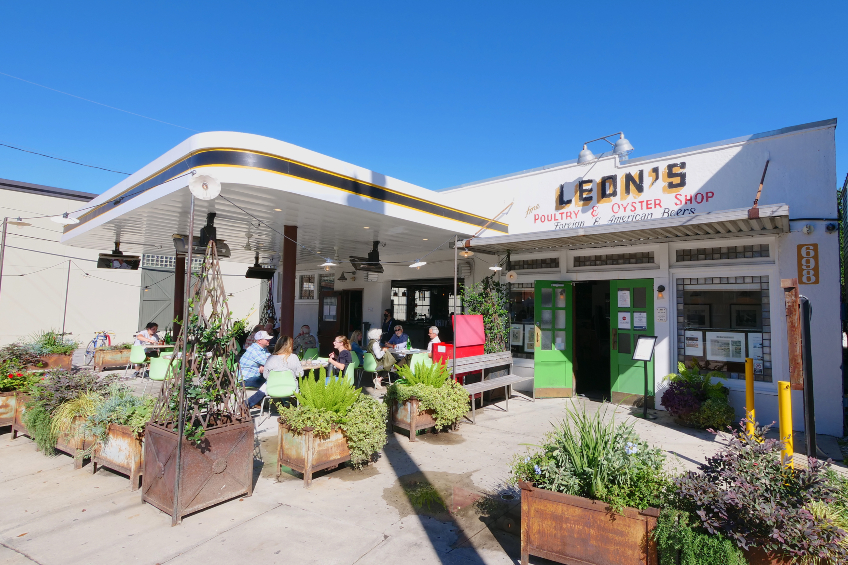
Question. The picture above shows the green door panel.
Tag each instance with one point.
(631, 315)
(553, 351)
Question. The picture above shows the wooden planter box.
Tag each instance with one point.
(574, 530)
(7, 407)
(407, 416)
(123, 453)
(18, 426)
(307, 453)
(110, 358)
(219, 470)
(53, 362)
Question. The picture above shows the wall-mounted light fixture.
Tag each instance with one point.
(621, 147)
(660, 290)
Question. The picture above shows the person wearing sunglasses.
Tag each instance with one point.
(399, 340)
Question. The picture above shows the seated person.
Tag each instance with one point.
(283, 358)
(339, 361)
(399, 340)
(252, 363)
(433, 332)
(248, 341)
(149, 336)
(304, 341)
(385, 360)
(355, 338)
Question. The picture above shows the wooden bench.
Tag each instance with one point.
(480, 363)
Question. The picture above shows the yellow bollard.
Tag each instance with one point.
(784, 400)
(749, 396)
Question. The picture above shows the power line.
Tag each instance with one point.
(60, 159)
(38, 271)
(96, 102)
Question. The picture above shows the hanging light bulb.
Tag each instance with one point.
(495, 268)
(418, 264)
(64, 219)
(466, 253)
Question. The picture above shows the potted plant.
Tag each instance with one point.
(52, 350)
(332, 423)
(12, 385)
(590, 493)
(426, 397)
(199, 440)
(112, 356)
(769, 510)
(695, 401)
(117, 427)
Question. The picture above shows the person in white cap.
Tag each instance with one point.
(252, 363)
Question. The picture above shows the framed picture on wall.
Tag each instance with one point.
(516, 334)
(745, 316)
(696, 315)
(529, 338)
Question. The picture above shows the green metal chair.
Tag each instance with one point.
(162, 368)
(357, 364)
(349, 375)
(137, 357)
(369, 365)
(311, 353)
(420, 358)
(281, 384)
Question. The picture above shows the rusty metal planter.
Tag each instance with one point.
(123, 453)
(74, 446)
(221, 469)
(407, 416)
(575, 530)
(55, 361)
(306, 453)
(110, 358)
(18, 426)
(7, 407)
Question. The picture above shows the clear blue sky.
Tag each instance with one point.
(436, 94)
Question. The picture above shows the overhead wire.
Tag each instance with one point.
(38, 271)
(96, 102)
(60, 159)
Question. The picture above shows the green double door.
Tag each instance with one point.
(631, 315)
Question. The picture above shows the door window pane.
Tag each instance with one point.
(559, 340)
(547, 298)
(329, 311)
(640, 297)
(624, 343)
(547, 318)
(546, 340)
(560, 298)
(560, 319)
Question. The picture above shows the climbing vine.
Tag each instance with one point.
(489, 298)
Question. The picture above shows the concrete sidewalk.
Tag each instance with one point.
(439, 500)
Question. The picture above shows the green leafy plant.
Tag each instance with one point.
(16, 381)
(434, 374)
(592, 456)
(65, 417)
(682, 541)
(338, 405)
(50, 342)
(747, 494)
(58, 386)
(16, 357)
(40, 427)
(489, 298)
(116, 347)
(696, 400)
(449, 402)
(122, 408)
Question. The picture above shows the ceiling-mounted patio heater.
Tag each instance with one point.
(181, 247)
(370, 263)
(117, 260)
(258, 272)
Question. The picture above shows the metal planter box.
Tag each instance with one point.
(571, 529)
(307, 453)
(407, 416)
(219, 470)
(110, 358)
(18, 426)
(7, 408)
(123, 453)
(74, 446)
(53, 362)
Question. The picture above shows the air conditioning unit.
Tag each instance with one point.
(371, 277)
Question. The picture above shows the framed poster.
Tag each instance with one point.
(745, 316)
(624, 321)
(755, 352)
(644, 348)
(726, 346)
(624, 298)
(640, 320)
(516, 334)
(696, 315)
(530, 337)
(693, 343)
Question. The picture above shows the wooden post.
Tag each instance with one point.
(288, 281)
(413, 418)
(793, 331)
(179, 292)
(309, 452)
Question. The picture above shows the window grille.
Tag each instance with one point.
(525, 264)
(640, 258)
(722, 253)
(307, 287)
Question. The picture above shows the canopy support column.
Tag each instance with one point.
(179, 291)
(288, 281)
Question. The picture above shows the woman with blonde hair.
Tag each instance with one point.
(385, 360)
(282, 358)
(355, 340)
(341, 360)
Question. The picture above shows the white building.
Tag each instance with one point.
(602, 251)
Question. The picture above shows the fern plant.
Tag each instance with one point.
(434, 375)
(337, 395)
